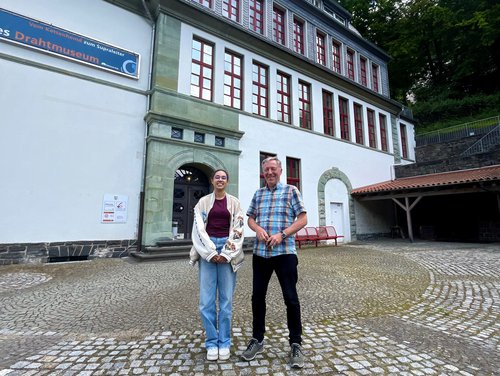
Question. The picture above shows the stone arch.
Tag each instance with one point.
(335, 173)
(205, 163)
(198, 157)
(160, 182)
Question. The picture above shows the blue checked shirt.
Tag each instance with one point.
(275, 210)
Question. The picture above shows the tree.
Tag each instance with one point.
(439, 48)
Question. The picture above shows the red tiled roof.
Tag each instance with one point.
(433, 180)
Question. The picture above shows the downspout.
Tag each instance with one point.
(392, 168)
(148, 104)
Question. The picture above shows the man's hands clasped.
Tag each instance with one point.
(272, 240)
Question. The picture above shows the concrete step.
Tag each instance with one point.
(173, 242)
(159, 256)
(173, 250)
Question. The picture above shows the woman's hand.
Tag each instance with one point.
(218, 259)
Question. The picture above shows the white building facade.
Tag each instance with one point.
(72, 133)
(221, 84)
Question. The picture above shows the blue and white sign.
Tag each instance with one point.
(54, 40)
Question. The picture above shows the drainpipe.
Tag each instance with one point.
(152, 21)
(392, 168)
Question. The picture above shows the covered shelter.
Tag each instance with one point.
(465, 199)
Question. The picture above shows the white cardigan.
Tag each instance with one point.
(203, 246)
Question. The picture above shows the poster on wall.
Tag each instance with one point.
(114, 209)
(28, 32)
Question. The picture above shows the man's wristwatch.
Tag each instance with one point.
(283, 235)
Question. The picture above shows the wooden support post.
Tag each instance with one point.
(407, 208)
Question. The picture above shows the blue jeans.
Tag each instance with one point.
(215, 277)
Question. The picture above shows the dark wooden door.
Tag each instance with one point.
(189, 187)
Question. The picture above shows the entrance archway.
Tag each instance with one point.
(190, 185)
(334, 188)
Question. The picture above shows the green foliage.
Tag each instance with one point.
(441, 49)
(447, 112)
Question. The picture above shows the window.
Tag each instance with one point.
(279, 26)
(304, 105)
(293, 172)
(404, 143)
(336, 57)
(328, 113)
(383, 131)
(232, 80)
(350, 64)
(220, 141)
(177, 133)
(332, 13)
(372, 140)
(358, 123)
(263, 155)
(320, 49)
(375, 77)
(283, 96)
(260, 87)
(257, 16)
(231, 9)
(298, 36)
(362, 68)
(344, 118)
(199, 137)
(201, 69)
(207, 3)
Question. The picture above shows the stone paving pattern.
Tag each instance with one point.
(369, 308)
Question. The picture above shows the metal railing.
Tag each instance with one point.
(486, 142)
(457, 132)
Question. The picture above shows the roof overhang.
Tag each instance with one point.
(477, 180)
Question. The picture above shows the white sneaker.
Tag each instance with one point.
(224, 353)
(212, 353)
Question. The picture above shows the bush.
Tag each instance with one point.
(442, 113)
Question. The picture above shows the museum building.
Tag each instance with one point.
(115, 113)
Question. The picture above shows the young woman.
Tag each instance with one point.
(217, 243)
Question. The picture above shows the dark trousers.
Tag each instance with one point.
(285, 267)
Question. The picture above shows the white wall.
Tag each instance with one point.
(67, 141)
(374, 217)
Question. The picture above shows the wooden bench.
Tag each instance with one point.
(328, 233)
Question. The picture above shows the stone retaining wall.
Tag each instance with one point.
(446, 157)
(25, 253)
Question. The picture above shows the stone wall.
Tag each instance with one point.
(444, 150)
(445, 157)
(25, 253)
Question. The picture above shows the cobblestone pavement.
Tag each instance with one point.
(369, 308)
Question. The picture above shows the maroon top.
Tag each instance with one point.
(219, 219)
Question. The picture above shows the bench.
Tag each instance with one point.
(328, 233)
(307, 234)
(316, 234)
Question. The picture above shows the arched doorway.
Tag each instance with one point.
(335, 205)
(190, 185)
